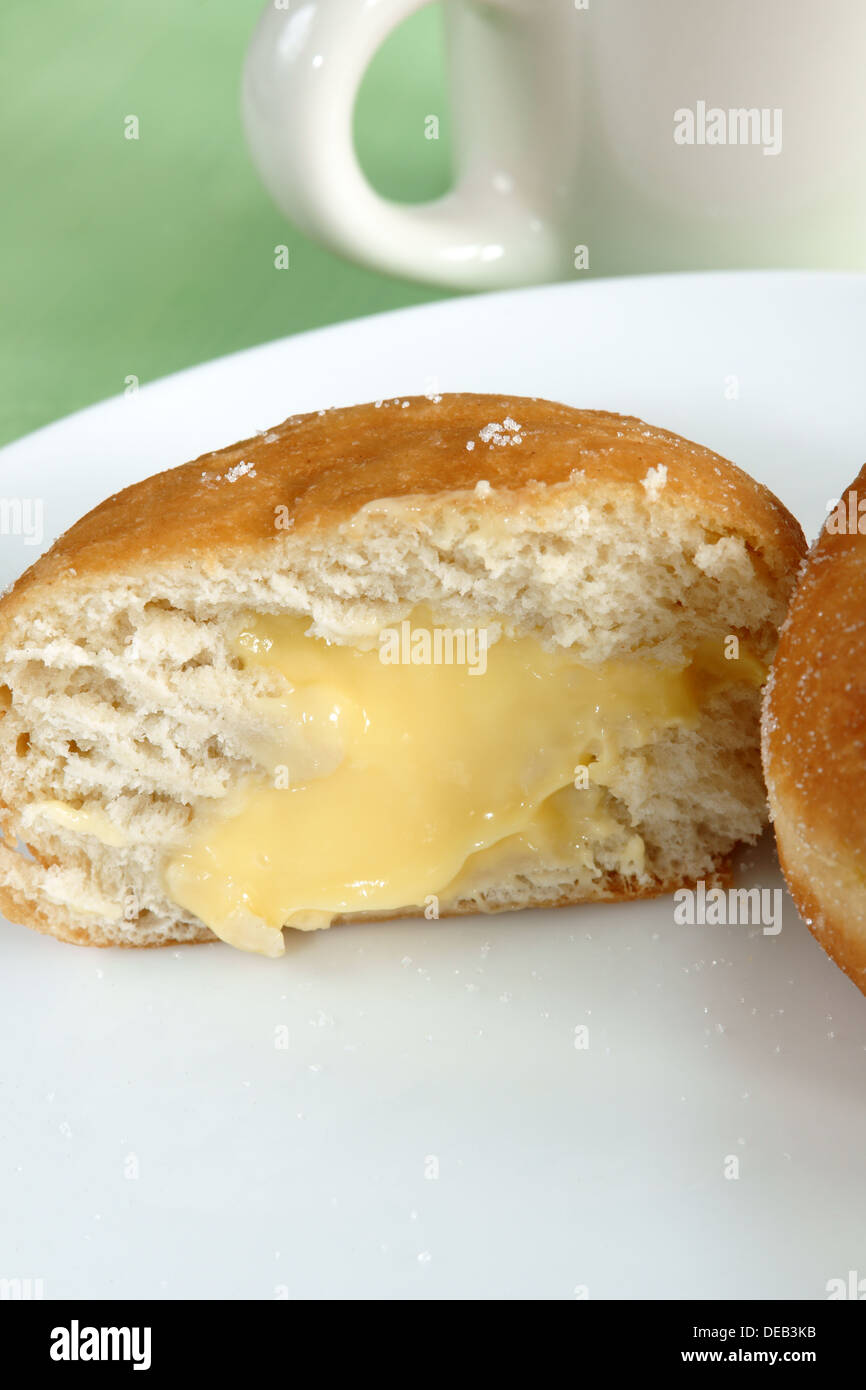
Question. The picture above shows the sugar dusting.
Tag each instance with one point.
(240, 470)
(655, 481)
(501, 435)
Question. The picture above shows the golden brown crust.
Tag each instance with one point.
(324, 467)
(814, 739)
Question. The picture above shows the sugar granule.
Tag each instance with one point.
(240, 470)
(500, 435)
(655, 481)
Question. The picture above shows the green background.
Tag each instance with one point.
(139, 257)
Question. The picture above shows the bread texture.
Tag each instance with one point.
(814, 737)
(587, 530)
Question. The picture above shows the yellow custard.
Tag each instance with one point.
(388, 780)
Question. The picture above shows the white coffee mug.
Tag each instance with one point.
(599, 136)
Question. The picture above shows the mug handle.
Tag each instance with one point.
(301, 76)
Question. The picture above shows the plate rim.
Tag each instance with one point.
(447, 304)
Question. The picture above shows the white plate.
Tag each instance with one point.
(416, 1048)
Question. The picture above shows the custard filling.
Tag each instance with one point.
(391, 779)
